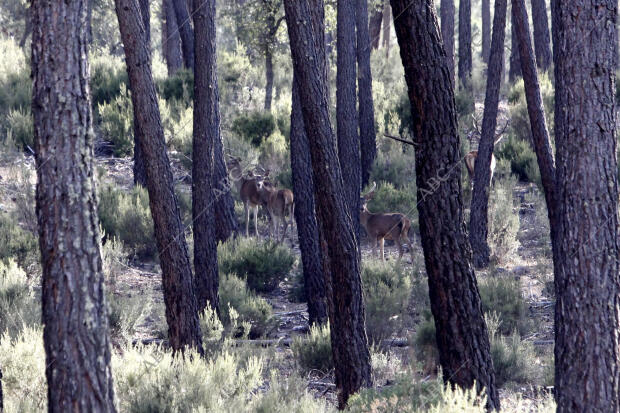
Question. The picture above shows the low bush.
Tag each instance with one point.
(386, 367)
(314, 351)
(425, 342)
(522, 159)
(519, 117)
(20, 129)
(126, 311)
(127, 216)
(286, 395)
(114, 258)
(17, 243)
(108, 78)
(116, 122)
(502, 294)
(19, 306)
(239, 305)
(254, 127)
(388, 198)
(395, 167)
(179, 87)
(503, 220)
(386, 288)
(262, 264)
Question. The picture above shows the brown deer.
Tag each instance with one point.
(392, 226)
(279, 203)
(470, 158)
(248, 191)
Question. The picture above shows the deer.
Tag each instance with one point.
(470, 157)
(248, 191)
(279, 203)
(381, 226)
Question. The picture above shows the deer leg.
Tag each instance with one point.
(400, 249)
(256, 220)
(375, 241)
(381, 244)
(406, 238)
(247, 219)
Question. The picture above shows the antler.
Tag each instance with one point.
(371, 191)
(499, 135)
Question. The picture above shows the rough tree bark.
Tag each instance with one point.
(542, 37)
(1, 396)
(514, 69)
(478, 220)
(338, 241)
(268, 77)
(346, 109)
(226, 224)
(185, 31)
(206, 133)
(139, 167)
(171, 40)
(181, 310)
(387, 20)
(465, 59)
(74, 313)
(587, 283)
(462, 337)
(305, 217)
(368, 137)
(486, 30)
(447, 33)
(374, 25)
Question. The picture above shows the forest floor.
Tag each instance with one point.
(141, 280)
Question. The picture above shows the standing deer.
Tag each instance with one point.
(470, 158)
(392, 226)
(248, 191)
(278, 202)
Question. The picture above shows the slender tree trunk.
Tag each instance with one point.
(307, 228)
(368, 144)
(374, 26)
(586, 277)
(181, 310)
(486, 30)
(74, 312)
(462, 337)
(447, 33)
(338, 240)
(542, 37)
(226, 224)
(171, 39)
(536, 111)
(387, 20)
(478, 220)
(206, 132)
(139, 168)
(1, 396)
(185, 31)
(268, 77)
(465, 59)
(346, 109)
(28, 27)
(514, 70)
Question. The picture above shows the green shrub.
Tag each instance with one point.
(179, 87)
(15, 93)
(126, 311)
(19, 306)
(108, 79)
(519, 117)
(254, 127)
(502, 294)
(23, 371)
(314, 351)
(116, 122)
(236, 300)
(20, 129)
(386, 289)
(262, 264)
(522, 159)
(127, 216)
(149, 379)
(114, 258)
(465, 102)
(503, 220)
(425, 341)
(17, 243)
(297, 292)
(286, 395)
(394, 167)
(390, 199)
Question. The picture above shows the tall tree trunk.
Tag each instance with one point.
(462, 337)
(514, 70)
(1, 396)
(206, 133)
(536, 111)
(338, 240)
(305, 217)
(447, 33)
(368, 144)
(171, 39)
(587, 282)
(268, 77)
(226, 224)
(387, 20)
(139, 168)
(486, 30)
(374, 25)
(181, 310)
(542, 38)
(478, 220)
(185, 31)
(74, 313)
(465, 60)
(346, 109)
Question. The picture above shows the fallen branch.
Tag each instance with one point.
(396, 138)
